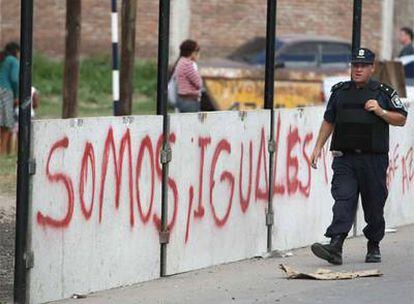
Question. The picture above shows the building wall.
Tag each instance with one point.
(219, 25)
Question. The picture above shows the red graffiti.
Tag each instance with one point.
(146, 145)
(292, 176)
(190, 207)
(88, 155)
(118, 165)
(260, 193)
(87, 169)
(46, 220)
(305, 189)
(393, 166)
(292, 162)
(202, 143)
(407, 170)
(244, 201)
(223, 146)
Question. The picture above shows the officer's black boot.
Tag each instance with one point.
(373, 253)
(331, 252)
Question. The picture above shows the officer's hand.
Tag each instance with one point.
(373, 106)
(314, 158)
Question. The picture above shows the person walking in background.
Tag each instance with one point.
(9, 92)
(187, 78)
(358, 116)
(406, 39)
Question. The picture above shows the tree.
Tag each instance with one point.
(71, 69)
(128, 18)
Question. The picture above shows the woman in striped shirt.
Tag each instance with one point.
(187, 77)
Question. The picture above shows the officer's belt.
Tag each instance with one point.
(354, 151)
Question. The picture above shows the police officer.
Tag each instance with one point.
(358, 114)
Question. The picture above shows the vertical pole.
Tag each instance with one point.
(269, 104)
(128, 21)
(71, 66)
(115, 57)
(163, 46)
(356, 26)
(356, 44)
(22, 210)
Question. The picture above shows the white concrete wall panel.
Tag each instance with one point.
(302, 200)
(84, 239)
(220, 168)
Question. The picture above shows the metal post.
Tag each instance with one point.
(269, 104)
(115, 57)
(163, 45)
(356, 26)
(356, 44)
(22, 210)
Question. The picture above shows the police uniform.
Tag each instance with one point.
(360, 144)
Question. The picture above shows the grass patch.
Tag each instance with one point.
(95, 87)
(8, 169)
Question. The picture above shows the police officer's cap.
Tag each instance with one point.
(363, 55)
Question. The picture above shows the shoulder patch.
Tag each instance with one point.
(397, 102)
(342, 84)
(388, 90)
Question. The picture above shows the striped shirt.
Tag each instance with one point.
(189, 82)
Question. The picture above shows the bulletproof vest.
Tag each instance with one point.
(355, 128)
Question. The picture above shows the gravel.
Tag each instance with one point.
(7, 220)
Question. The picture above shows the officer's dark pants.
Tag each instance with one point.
(356, 174)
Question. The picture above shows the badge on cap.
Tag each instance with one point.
(363, 55)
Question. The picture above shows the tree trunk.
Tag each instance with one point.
(128, 18)
(71, 69)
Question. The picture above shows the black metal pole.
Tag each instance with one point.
(356, 44)
(269, 104)
(162, 91)
(356, 26)
(22, 210)
(163, 53)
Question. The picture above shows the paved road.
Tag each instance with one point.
(261, 281)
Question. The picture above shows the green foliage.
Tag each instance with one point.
(95, 86)
(8, 169)
(47, 75)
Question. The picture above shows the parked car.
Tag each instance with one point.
(302, 62)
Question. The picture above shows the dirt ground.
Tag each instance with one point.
(7, 220)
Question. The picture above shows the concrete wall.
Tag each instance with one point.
(84, 239)
(220, 169)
